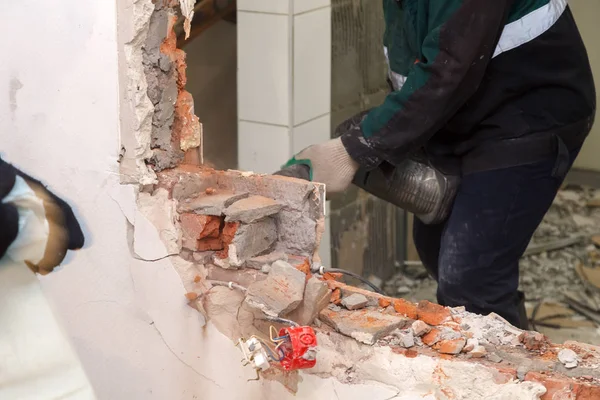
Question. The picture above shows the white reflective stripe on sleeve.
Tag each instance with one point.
(397, 79)
(530, 26)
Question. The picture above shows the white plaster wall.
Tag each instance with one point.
(126, 318)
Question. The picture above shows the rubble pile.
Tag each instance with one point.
(251, 267)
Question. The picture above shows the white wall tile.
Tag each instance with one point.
(262, 148)
(312, 64)
(301, 6)
(263, 67)
(266, 6)
(315, 131)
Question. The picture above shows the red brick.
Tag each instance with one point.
(405, 308)
(305, 268)
(209, 244)
(504, 375)
(336, 296)
(588, 392)
(453, 346)
(433, 314)
(557, 388)
(196, 226)
(534, 340)
(384, 302)
(432, 337)
(332, 276)
(227, 236)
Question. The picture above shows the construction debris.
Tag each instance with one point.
(560, 270)
(568, 357)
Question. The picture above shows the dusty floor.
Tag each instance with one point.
(557, 281)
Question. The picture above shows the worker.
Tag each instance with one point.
(502, 86)
(37, 229)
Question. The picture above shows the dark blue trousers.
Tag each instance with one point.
(474, 256)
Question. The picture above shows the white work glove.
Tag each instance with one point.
(327, 163)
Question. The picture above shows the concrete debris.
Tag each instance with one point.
(252, 209)
(251, 240)
(420, 328)
(478, 352)
(568, 357)
(355, 301)
(470, 345)
(366, 326)
(267, 259)
(214, 204)
(280, 293)
(522, 372)
(316, 297)
(403, 338)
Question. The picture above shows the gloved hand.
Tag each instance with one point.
(327, 163)
(37, 227)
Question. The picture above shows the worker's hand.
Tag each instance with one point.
(327, 163)
(37, 227)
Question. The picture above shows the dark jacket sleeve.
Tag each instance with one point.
(461, 41)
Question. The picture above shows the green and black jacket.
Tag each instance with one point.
(472, 74)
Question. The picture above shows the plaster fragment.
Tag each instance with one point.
(366, 326)
(355, 301)
(259, 261)
(316, 298)
(214, 204)
(420, 328)
(251, 240)
(280, 293)
(568, 357)
(252, 209)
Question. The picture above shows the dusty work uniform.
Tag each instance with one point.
(506, 88)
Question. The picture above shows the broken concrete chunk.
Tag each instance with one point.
(267, 259)
(405, 338)
(420, 328)
(211, 204)
(568, 358)
(478, 352)
(280, 293)
(366, 326)
(316, 298)
(495, 358)
(355, 301)
(252, 209)
(250, 240)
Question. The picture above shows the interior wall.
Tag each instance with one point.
(127, 319)
(586, 14)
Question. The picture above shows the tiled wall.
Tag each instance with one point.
(284, 82)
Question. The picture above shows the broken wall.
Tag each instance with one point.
(122, 298)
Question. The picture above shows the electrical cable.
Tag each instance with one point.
(353, 275)
(281, 320)
(230, 285)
